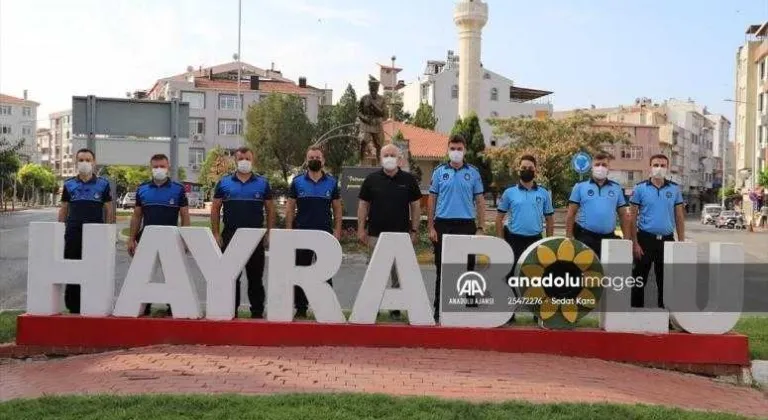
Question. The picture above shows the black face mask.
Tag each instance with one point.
(526, 175)
(314, 165)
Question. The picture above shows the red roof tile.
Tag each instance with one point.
(422, 143)
(8, 99)
(269, 86)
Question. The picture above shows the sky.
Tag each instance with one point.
(589, 52)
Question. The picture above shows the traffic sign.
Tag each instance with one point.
(581, 162)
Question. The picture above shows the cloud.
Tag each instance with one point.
(357, 17)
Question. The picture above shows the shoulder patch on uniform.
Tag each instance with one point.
(671, 182)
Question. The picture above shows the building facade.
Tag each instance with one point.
(498, 97)
(216, 112)
(687, 134)
(18, 121)
(60, 154)
(751, 101)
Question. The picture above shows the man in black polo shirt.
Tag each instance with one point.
(389, 202)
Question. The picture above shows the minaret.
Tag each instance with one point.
(469, 16)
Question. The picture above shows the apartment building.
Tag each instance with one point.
(687, 133)
(751, 101)
(59, 140)
(18, 121)
(499, 97)
(216, 100)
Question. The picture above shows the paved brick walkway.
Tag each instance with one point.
(469, 375)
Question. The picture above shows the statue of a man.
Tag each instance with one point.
(371, 111)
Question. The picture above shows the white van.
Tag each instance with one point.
(709, 213)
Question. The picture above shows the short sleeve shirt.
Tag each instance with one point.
(526, 209)
(86, 201)
(313, 201)
(243, 201)
(160, 204)
(598, 205)
(456, 189)
(389, 198)
(656, 206)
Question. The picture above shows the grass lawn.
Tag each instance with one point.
(754, 327)
(319, 407)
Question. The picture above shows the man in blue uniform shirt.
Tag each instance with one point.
(593, 207)
(455, 201)
(84, 199)
(527, 207)
(311, 198)
(657, 211)
(159, 202)
(245, 197)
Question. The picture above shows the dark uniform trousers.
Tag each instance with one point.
(73, 250)
(519, 244)
(450, 227)
(653, 253)
(254, 270)
(591, 239)
(304, 258)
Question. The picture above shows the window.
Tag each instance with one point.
(424, 92)
(227, 101)
(304, 104)
(66, 135)
(196, 100)
(5, 110)
(632, 153)
(454, 91)
(609, 150)
(26, 130)
(26, 111)
(486, 76)
(630, 176)
(230, 127)
(760, 102)
(196, 126)
(762, 70)
(760, 134)
(5, 129)
(494, 94)
(196, 157)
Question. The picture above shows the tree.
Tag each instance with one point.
(425, 117)
(278, 129)
(36, 178)
(762, 178)
(216, 164)
(394, 100)
(342, 146)
(415, 169)
(553, 143)
(181, 174)
(9, 165)
(470, 129)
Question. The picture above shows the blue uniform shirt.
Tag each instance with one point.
(313, 201)
(598, 205)
(456, 190)
(657, 206)
(528, 208)
(243, 201)
(160, 204)
(86, 201)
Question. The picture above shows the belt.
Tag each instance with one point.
(653, 235)
(591, 233)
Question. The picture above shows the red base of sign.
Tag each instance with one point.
(113, 332)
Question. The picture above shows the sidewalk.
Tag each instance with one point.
(466, 375)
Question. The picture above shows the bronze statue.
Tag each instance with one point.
(371, 111)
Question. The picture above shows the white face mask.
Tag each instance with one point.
(600, 172)
(244, 166)
(160, 174)
(658, 172)
(456, 156)
(389, 163)
(84, 168)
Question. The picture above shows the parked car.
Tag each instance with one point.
(128, 201)
(730, 219)
(709, 213)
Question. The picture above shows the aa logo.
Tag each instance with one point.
(466, 176)
(591, 193)
(471, 283)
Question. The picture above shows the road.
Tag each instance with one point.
(13, 260)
